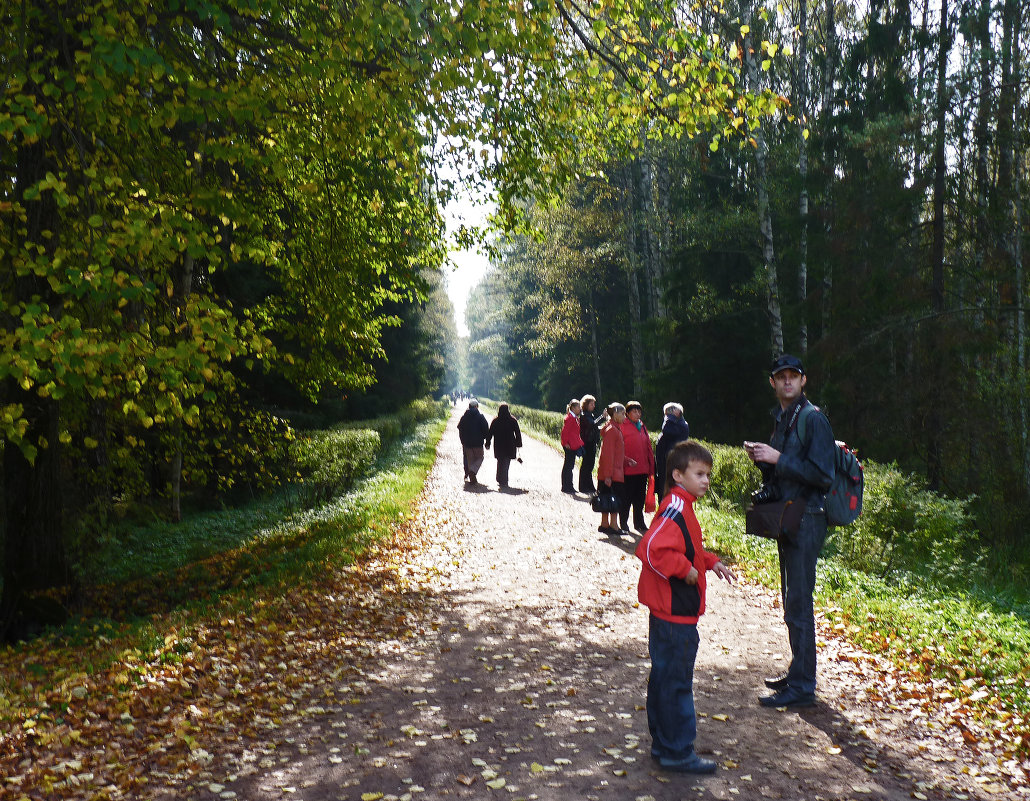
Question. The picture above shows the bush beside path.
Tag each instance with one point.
(515, 663)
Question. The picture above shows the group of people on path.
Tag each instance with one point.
(674, 562)
(630, 472)
(476, 435)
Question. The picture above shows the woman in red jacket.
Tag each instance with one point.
(639, 466)
(572, 444)
(611, 465)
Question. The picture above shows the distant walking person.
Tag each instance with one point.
(507, 439)
(639, 465)
(472, 431)
(571, 443)
(792, 469)
(674, 429)
(611, 466)
(590, 433)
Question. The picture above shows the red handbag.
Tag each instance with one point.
(649, 499)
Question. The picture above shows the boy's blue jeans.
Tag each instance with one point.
(670, 688)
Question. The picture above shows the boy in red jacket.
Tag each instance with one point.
(672, 586)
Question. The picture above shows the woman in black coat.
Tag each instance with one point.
(674, 430)
(507, 439)
(590, 433)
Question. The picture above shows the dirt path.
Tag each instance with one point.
(525, 678)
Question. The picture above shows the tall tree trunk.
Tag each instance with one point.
(920, 81)
(827, 112)
(1009, 218)
(937, 413)
(663, 235)
(982, 144)
(636, 343)
(801, 102)
(182, 285)
(593, 344)
(765, 214)
(34, 555)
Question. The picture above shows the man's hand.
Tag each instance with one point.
(691, 577)
(760, 452)
(724, 572)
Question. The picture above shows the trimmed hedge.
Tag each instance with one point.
(327, 462)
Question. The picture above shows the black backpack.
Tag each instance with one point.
(844, 497)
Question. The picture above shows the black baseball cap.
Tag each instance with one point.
(787, 362)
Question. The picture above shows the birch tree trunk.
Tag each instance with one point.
(801, 102)
(764, 213)
(636, 345)
(593, 344)
(827, 111)
(933, 433)
(981, 144)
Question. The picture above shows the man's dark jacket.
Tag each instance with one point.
(804, 468)
(473, 428)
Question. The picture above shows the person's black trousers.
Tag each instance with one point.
(502, 472)
(636, 489)
(586, 468)
(566, 470)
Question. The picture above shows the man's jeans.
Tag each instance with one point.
(797, 585)
(670, 688)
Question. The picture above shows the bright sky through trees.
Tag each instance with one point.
(468, 265)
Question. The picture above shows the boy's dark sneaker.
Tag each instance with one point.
(788, 697)
(692, 764)
(777, 683)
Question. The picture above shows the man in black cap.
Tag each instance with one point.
(803, 470)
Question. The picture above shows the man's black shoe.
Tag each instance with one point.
(777, 683)
(788, 697)
(569, 490)
(692, 764)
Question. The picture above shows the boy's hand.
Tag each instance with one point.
(723, 572)
(691, 577)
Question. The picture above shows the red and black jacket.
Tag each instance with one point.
(671, 546)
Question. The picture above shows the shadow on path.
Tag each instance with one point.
(525, 677)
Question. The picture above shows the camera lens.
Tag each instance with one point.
(767, 493)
